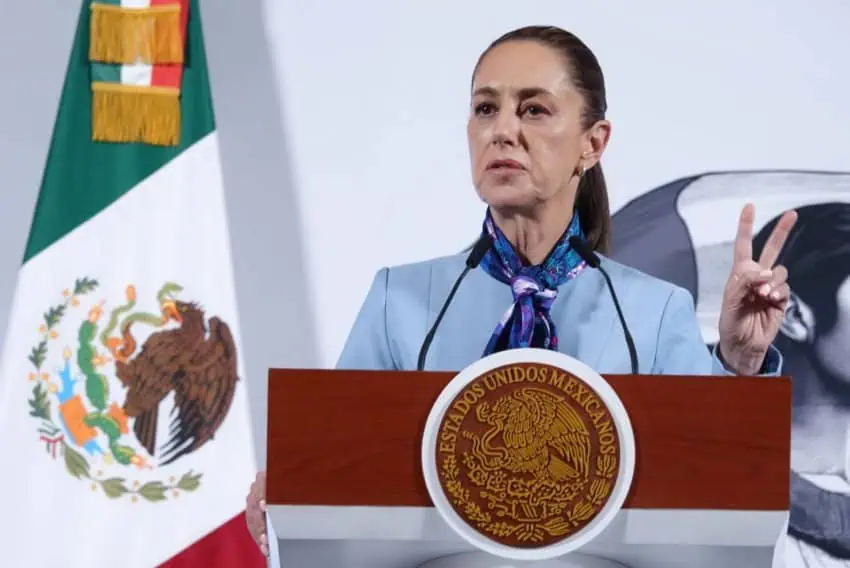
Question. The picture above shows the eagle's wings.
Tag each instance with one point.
(557, 425)
(204, 386)
(569, 436)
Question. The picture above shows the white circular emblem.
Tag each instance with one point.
(528, 454)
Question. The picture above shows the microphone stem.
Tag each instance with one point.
(629, 341)
(426, 344)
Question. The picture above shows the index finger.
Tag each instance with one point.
(773, 245)
(744, 238)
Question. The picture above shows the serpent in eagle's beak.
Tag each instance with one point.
(171, 312)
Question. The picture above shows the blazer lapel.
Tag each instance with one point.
(470, 319)
(584, 323)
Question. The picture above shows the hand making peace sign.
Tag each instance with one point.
(755, 296)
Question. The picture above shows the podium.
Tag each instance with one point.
(345, 486)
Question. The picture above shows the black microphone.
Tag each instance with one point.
(593, 261)
(479, 249)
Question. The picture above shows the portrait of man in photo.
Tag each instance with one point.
(680, 232)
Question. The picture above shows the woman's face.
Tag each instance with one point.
(525, 131)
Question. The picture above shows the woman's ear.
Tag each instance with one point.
(799, 322)
(596, 141)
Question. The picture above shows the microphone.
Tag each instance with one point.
(479, 249)
(593, 261)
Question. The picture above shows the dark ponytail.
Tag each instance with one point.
(592, 196)
(593, 210)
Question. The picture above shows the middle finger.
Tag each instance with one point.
(776, 240)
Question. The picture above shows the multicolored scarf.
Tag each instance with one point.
(527, 322)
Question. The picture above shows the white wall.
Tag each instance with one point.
(343, 128)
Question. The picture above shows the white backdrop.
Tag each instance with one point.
(342, 128)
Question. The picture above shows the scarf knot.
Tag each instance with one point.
(527, 322)
(526, 287)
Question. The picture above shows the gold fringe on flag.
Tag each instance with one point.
(125, 113)
(135, 35)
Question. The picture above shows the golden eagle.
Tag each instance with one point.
(198, 364)
(542, 435)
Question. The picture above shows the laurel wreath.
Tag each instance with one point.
(600, 488)
(76, 463)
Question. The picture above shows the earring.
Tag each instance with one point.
(580, 171)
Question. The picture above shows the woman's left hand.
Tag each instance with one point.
(755, 296)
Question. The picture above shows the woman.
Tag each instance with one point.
(537, 131)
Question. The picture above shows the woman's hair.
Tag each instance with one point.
(817, 256)
(583, 67)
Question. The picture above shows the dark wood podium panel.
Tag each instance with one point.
(348, 438)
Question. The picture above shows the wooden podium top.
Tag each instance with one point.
(349, 438)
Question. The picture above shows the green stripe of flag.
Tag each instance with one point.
(83, 177)
(106, 72)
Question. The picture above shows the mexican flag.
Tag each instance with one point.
(123, 400)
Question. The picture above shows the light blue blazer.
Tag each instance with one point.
(403, 302)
